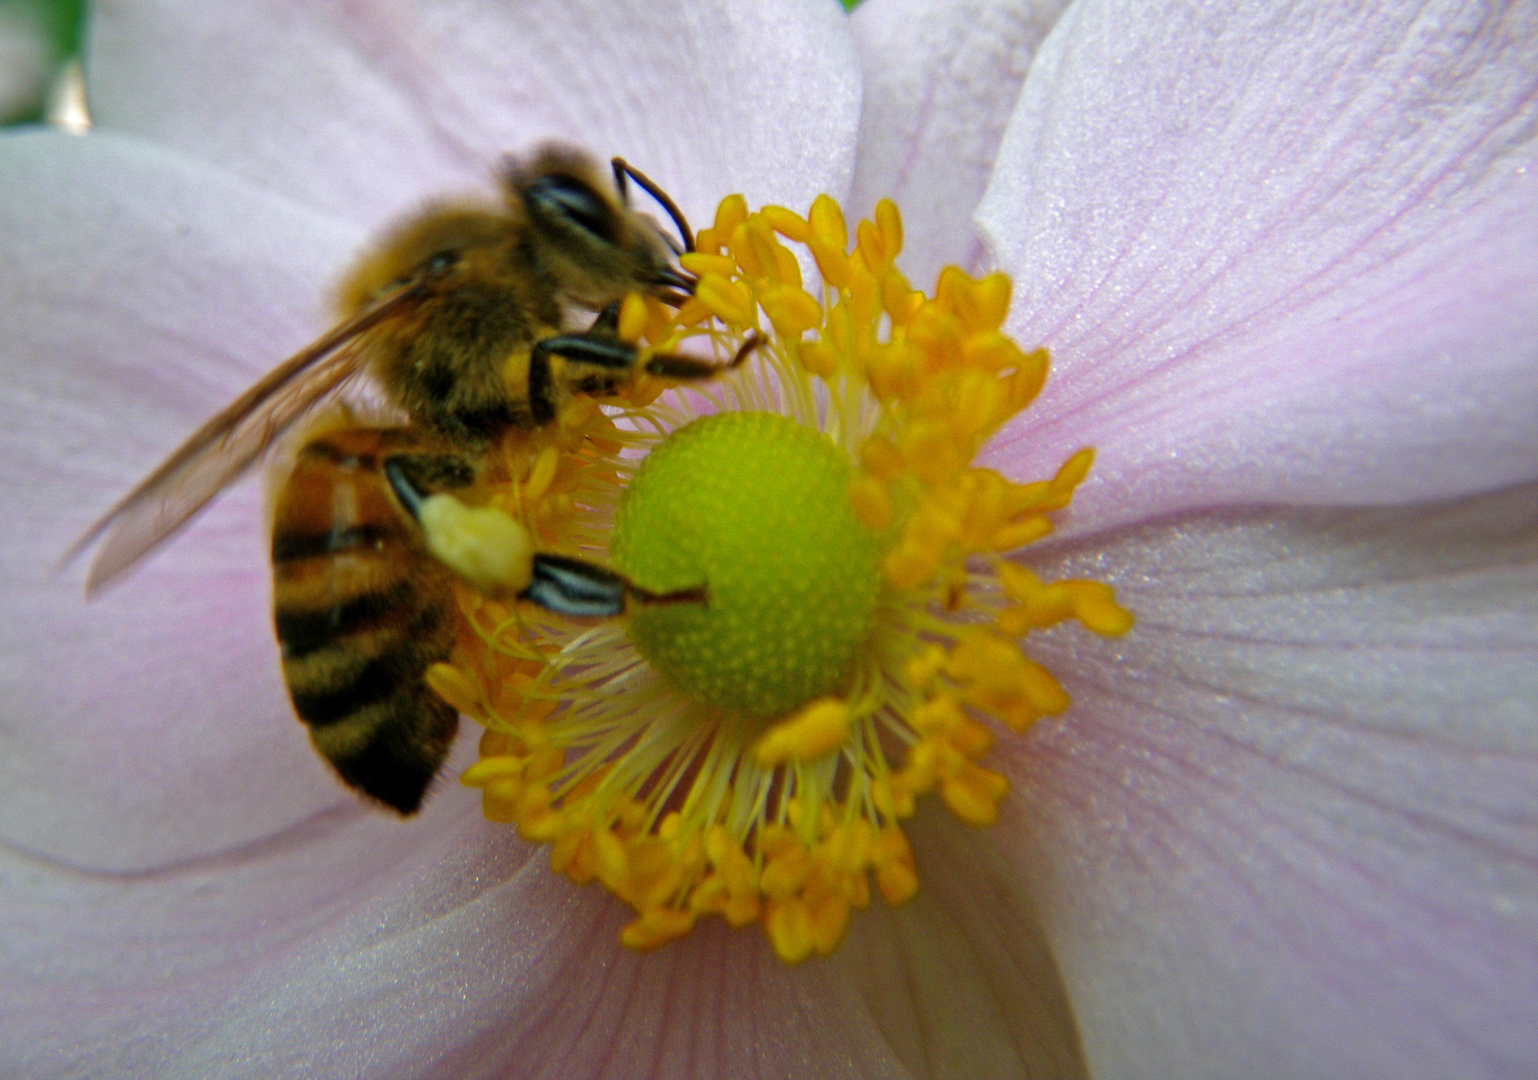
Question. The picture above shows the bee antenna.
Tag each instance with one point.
(623, 168)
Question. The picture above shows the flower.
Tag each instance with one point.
(1283, 257)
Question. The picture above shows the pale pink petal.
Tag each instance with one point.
(365, 109)
(941, 80)
(143, 291)
(961, 979)
(1290, 825)
(470, 971)
(1281, 252)
(116, 972)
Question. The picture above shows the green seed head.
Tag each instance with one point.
(754, 507)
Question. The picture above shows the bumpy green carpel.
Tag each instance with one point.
(754, 507)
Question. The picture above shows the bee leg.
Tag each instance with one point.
(584, 590)
(482, 544)
(684, 368)
(613, 357)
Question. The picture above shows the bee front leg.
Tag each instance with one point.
(595, 361)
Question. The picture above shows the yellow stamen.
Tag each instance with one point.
(754, 755)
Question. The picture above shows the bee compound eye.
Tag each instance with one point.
(567, 200)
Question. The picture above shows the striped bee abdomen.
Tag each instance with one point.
(361, 612)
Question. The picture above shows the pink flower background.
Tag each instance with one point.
(1286, 257)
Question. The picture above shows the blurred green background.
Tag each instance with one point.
(37, 39)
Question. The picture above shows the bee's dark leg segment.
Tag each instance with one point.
(680, 280)
(413, 477)
(746, 349)
(598, 350)
(669, 366)
(584, 590)
(623, 168)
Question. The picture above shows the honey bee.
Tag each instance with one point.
(459, 317)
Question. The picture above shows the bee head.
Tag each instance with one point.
(596, 248)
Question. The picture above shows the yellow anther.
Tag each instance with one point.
(655, 927)
(745, 252)
(941, 713)
(923, 666)
(827, 222)
(1020, 533)
(613, 864)
(788, 223)
(700, 264)
(829, 915)
(1095, 606)
(933, 453)
(973, 794)
(833, 263)
(872, 503)
(1042, 688)
(633, 317)
(909, 565)
(727, 300)
(787, 268)
(1027, 381)
(872, 250)
(820, 359)
(889, 224)
(791, 310)
(773, 258)
(455, 687)
(789, 924)
(898, 299)
(785, 871)
(971, 738)
(978, 395)
(881, 459)
(1073, 472)
(982, 304)
(896, 875)
(542, 474)
(991, 352)
(816, 731)
(488, 769)
(732, 212)
(864, 298)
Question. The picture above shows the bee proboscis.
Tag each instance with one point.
(460, 316)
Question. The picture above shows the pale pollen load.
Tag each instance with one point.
(755, 754)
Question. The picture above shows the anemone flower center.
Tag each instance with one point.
(755, 756)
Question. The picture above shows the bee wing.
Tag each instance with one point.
(222, 449)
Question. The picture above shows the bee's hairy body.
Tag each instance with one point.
(462, 316)
(365, 610)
